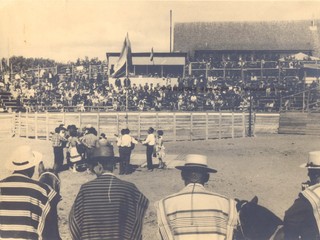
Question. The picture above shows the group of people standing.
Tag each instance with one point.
(83, 146)
(154, 148)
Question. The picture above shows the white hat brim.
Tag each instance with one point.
(304, 165)
(32, 163)
(210, 170)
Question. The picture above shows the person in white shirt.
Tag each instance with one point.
(150, 142)
(126, 144)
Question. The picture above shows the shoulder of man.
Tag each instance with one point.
(32, 184)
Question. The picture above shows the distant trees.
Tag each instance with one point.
(86, 61)
(20, 63)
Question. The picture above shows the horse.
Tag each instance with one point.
(257, 222)
(51, 178)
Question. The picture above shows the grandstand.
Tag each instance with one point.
(219, 66)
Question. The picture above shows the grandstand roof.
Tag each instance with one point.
(273, 35)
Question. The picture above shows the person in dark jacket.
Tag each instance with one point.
(302, 219)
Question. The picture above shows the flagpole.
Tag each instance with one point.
(127, 74)
(170, 30)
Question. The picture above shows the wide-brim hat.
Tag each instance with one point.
(23, 158)
(313, 161)
(195, 161)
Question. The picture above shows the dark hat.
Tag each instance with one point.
(195, 161)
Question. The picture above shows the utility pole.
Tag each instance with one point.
(170, 30)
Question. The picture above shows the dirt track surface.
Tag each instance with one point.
(266, 166)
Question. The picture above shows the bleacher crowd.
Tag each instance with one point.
(191, 93)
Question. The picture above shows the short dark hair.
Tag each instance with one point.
(151, 130)
(195, 176)
(103, 135)
(57, 130)
(160, 132)
(106, 162)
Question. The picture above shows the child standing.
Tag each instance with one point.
(160, 149)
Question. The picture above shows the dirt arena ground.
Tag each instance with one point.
(266, 166)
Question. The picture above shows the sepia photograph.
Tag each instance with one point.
(159, 120)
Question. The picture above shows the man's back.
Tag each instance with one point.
(195, 213)
(108, 208)
(24, 205)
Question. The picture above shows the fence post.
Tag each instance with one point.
(243, 124)
(47, 126)
(191, 126)
(232, 125)
(207, 126)
(19, 124)
(27, 124)
(174, 127)
(36, 125)
(220, 125)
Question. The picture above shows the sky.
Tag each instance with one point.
(65, 30)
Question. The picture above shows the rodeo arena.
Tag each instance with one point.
(217, 138)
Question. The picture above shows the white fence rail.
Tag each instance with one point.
(177, 126)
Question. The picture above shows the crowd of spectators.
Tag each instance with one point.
(191, 93)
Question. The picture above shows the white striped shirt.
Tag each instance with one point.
(24, 206)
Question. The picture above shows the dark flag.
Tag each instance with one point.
(123, 66)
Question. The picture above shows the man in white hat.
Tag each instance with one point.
(194, 212)
(25, 203)
(302, 219)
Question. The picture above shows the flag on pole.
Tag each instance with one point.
(151, 55)
(123, 66)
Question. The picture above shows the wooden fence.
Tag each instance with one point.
(299, 123)
(177, 126)
(266, 123)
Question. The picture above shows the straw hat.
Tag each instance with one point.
(23, 158)
(195, 161)
(313, 161)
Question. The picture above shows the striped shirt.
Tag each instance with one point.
(196, 214)
(24, 206)
(108, 208)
